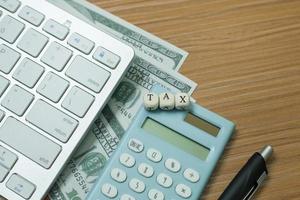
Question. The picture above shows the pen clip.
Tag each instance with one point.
(252, 191)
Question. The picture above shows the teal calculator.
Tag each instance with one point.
(165, 155)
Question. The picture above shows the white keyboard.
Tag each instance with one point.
(56, 73)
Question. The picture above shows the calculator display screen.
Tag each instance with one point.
(155, 128)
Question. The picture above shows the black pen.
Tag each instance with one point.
(249, 178)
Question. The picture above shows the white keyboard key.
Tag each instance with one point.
(81, 43)
(127, 197)
(52, 120)
(21, 186)
(191, 175)
(154, 155)
(2, 115)
(183, 191)
(38, 148)
(3, 173)
(8, 58)
(53, 87)
(137, 185)
(17, 100)
(31, 15)
(56, 29)
(135, 145)
(28, 72)
(109, 190)
(32, 42)
(10, 5)
(154, 194)
(3, 85)
(78, 101)
(164, 180)
(127, 160)
(145, 170)
(10, 29)
(118, 175)
(106, 57)
(91, 75)
(7, 158)
(172, 165)
(56, 56)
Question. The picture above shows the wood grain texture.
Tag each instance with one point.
(245, 56)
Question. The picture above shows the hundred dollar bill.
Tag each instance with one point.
(153, 49)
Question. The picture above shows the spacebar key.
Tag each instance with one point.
(29, 142)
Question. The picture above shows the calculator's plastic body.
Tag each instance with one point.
(175, 121)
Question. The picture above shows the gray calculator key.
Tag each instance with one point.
(81, 43)
(3, 173)
(21, 186)
(33, 42)
(2, 115)
(3, 84)
(17, 100)
(56, 29)
(31, 15)
(8, 58)
(10, 5)
(28, 72)
(7, 158)
(10, 29)
(52, 120)
(39, 148)
(106, 57)
(53, 87)
(91, 75)
(78, 101)
(56, 56)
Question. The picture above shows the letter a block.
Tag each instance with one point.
(166, 101)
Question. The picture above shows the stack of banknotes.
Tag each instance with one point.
(156, 62)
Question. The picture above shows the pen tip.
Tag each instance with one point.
(266, 152)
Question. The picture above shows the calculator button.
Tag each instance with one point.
(137, 185)
(127, 197)
(145, 170)
(172, 165)
(21, 186)
(109, 190)
(56, 29)
(135, 145)
(191, 175)
(164, 180)
(32, 16)
(154, 194)
(127, 160)
(7, 158)
(183, 191)
(118, 175)
(10, 5)
(154, 155)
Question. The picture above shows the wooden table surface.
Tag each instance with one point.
(245, 56)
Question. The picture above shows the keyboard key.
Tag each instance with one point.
(52, 120)
(3, 173)
(3, 85)
(2, 115)
(172, 165)
(10, 5)
(164, 180)
(137, 185)
(81, 43)
(56, 29)
(109, 190)
(145, 170)
(33, 42)
(191, 175)
(127, 197)
(183, 191)
(8, 58)
(7, 158)
(56, 56)
(17, 100)
(78, 101)
(53, 87)
(21, 186)
(91, 75)
(154, 194)
(135, 145)
(118, 175)
(32, 16)
(127, 160)
(106, 57)
(38, 148)
(10, 29)
(154, 155)
(28, 72)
